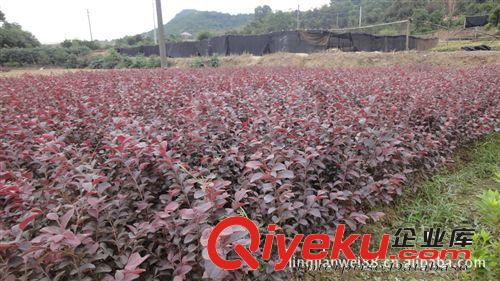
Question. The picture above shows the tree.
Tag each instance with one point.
(66, 43)
(261, 12)
(450, 9)
(279, 21)
(345, 13)
(494, 18)
(135, 40)
(172, 38)
(75, 43)
(204, 35)
(13, 36)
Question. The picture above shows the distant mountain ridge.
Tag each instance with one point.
(194, 22)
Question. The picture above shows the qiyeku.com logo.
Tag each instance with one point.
(320, 246)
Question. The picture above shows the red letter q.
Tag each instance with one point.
(244, 254)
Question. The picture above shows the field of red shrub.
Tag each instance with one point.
(121, 174)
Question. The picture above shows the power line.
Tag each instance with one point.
(367, 26)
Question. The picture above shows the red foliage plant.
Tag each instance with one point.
(120, 175)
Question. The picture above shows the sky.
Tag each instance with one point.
(52, 21)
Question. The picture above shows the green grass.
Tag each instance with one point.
(446, 197)
(460, 195)
(449, 46)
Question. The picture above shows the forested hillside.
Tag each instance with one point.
(195, 22)
(426, 14)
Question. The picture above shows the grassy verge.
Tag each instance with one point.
(449, 46)
(465, 194)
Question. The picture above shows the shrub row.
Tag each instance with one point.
(112, 175)
(72, 57)
(44, 56)
(115, 60)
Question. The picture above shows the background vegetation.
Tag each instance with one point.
(427, 16)
(12, 35)
(20, 48)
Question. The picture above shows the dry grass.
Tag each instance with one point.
(39, 71)
(349, 59)
(331, 58)
(447, 46)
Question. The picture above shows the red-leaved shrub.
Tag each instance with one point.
(120, 175)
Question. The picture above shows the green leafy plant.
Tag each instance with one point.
(214, 61)
(485, 243)
(489, 207)
(486, 248)
(198, 63)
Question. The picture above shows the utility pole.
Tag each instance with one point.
(298, 17)
(154, 23)
(161, 35)
(90, 26)
(408, 34)
(360, 14)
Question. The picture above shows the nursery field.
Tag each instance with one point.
(121, 174)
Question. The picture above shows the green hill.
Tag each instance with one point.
(427, 16)
(194, 22)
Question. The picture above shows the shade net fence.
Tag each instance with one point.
(474, 21)
(309, 41)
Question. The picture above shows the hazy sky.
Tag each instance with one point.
(52, 21)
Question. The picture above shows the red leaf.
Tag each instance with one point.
(27, 220)
(240, 194)
(268, 198)
(256, 177)
(203, 208)
(5, 246)
(376, 215)
(187, 214)
(66, 217)
(134, 261)
(52, 216)
(315, 212)
(253, 164)
(286, 174)
(172, 206)
(163, 149)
